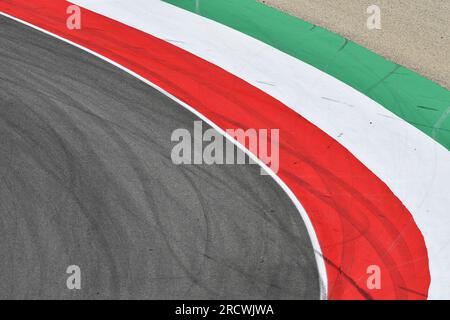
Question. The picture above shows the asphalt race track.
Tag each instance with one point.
(87, 180)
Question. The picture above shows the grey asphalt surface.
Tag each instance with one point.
(87, 179)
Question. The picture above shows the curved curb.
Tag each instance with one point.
(410, 96)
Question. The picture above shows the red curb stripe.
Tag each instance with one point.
(358, 220)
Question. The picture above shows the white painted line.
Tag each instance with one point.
(323, 280)
(414, 166)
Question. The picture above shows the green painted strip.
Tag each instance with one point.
(410, 96)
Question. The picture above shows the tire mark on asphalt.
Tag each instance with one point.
(86, 179)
